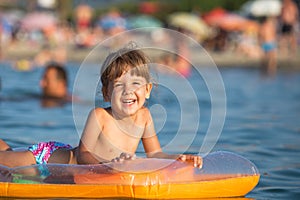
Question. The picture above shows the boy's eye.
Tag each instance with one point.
(117, 85)
(136, 83)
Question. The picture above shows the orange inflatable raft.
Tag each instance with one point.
(223, 174)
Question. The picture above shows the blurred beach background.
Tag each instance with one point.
(39, 31)
(262, 110)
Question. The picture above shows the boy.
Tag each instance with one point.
(110, 132)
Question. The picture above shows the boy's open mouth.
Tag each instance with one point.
(129, 101)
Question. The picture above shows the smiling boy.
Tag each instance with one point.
(113, 131)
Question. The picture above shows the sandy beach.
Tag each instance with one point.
(222, 59)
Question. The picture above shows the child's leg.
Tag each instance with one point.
(63, 156)
(16, 158)
(272, 63)
(4, 146)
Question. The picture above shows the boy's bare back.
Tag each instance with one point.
(268, 31)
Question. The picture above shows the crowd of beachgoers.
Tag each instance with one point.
(218, 30)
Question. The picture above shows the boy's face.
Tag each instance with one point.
(128, 94)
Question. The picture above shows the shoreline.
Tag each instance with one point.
(221, 59)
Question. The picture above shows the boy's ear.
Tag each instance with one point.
(148, 90)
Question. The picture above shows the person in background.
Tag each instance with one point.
(177, 61)
(54, 85)
(289, 23)
(268, 38)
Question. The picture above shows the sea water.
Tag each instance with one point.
(261, 117)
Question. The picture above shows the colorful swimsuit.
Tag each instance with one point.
(42, 151)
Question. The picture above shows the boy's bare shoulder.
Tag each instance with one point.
(144, 111)
(145, 115)
(101, 111)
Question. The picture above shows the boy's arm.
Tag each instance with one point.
(149, 139)
(151, 143)
(88, 141)
(153, 150)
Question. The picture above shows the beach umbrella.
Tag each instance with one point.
(148, 7)
(143, 21)
(229, 21)
(259, 8)
(38, 21)
(190, 22)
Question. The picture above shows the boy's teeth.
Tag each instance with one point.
(128, 101)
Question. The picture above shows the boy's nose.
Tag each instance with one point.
(128, 90)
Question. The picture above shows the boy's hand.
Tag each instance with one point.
(198, 162)
(124, 156)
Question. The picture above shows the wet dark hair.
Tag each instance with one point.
(61, 73)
